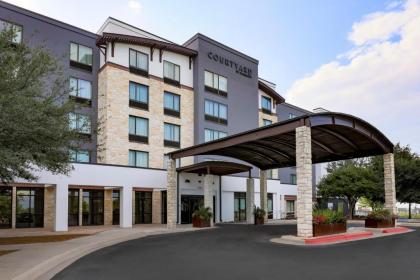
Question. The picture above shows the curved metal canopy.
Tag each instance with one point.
(335, 136)
(220, 168)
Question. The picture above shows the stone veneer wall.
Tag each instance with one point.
(49, 207)
(114, 111)
(157, 206)
(108, 207)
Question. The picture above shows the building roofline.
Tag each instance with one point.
(296, 107)
(221, 45)
(47, 19)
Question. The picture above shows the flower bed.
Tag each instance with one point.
(327, 222)
(200, 223)
(326, 229)
(381, 218)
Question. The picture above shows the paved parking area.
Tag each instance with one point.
(244, 252)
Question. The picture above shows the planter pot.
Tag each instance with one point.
(200, 223)
(372, 223)
(327, 229)
(258, 220)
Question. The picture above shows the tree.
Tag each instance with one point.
(34, 112)
(351, 180)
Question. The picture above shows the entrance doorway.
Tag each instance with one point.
(143, 210)
(29, 207)
(190, 203)
(93, 207)
(239, 203)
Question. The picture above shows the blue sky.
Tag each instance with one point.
(353, 56)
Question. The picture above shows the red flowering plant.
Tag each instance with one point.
(327, 216)
(319, 219)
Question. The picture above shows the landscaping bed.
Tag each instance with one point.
(380, 218)
(327, 222)
(202, 217)
(38, 239)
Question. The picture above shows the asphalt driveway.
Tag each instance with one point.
(244, 252)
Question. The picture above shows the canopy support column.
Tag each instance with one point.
(304, 181)
(171, 195)
(208, 194)
(389, 183)
(250, 192)
(263, 192)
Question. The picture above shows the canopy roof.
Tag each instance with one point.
(335, 136)
(220, 168)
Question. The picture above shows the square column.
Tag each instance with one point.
(389, 183)
(108, 207)
(171, 196)
(157, 206)
(263, 192)
(80, 207)
(304, 181)
(126, 207)
(61, 207)
(250, 192)
(208, 193)
(13, 207)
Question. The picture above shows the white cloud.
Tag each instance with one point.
(135, 6)
(378, 79)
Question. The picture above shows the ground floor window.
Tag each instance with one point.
(270, 205)
(93, 207)
(115, 207)
(239, 204)
(290, 207)
(143, 210)
(164, 213)
(5, 207)
(73, 215)
(29, 207)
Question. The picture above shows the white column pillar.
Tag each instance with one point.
(250, 200)
(389, 183)
(304, 181)
(171, 197)
(208, 193)
(126, 207)
(61, 207)
(263, 192)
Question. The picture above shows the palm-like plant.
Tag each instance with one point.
(203, 213)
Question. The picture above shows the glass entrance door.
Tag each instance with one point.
(5, 207)
(270, 205)
(143, 210)
(190, 203)
(239, 202)
(93, 207)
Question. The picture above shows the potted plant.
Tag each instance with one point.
(201, 217)
(259, 215)
(380, 218)
(326, 221)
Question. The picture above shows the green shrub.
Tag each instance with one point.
(327, 216)
(380, 214)
(203, 213)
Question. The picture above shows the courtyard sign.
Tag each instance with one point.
(240, 69)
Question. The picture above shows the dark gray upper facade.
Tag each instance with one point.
(55, 36)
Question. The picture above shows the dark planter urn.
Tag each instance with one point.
(326, 229)
(258, 220)
(372, 223)
(200, 223)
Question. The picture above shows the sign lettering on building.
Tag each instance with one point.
(240, 69)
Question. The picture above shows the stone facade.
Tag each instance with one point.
(49, 207)
(263, 192)
(304, 181)
(13, 207)
(389, 182)
(208, 192)
(171, 194)
(108, 207)
(114, 111)
(157, 206)
(250, 200)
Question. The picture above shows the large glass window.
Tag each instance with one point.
(293, 180)
(5, 207)
(139, 60)
(81, 54)
(80, 123)
(93, 207)
(138, 158)
(80, 88)
(115, 207)
(143, 208)
(171, 71)
(79, 156)
(266, 122)
(139, 93)
(239, 205)
(215, 112)
(210, 134)
(292, 116)
(73, 215)
(17, 29)
(266, 103)
(215, 83)
(29, 207)
(172, 135)
(171, 104)
(290, 206)
(138, 129)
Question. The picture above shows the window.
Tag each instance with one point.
(293, 180)
(171, 104)
(93, 207)
(139, 62)
(171, 73)
(269, 174)
(115, 207)
(29, 207)
(73, 207)
(80, 88)
(292, 116)
(210, 134)
(171, 135)
(266, 104)
(80, 123)
(215, 112)
(290, 206)
(81, 56)
(266, 122)
(138, 158)
(139, 96)
(215, 83)
(138, 129)
(5, 207)
(143, 208)
(79, 156)
(17, 30)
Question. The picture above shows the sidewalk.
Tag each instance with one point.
(43, 260)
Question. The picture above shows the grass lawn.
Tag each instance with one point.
(4, 252)
(38, 239)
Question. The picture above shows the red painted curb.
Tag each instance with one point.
(337, 238)
(395, 230)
